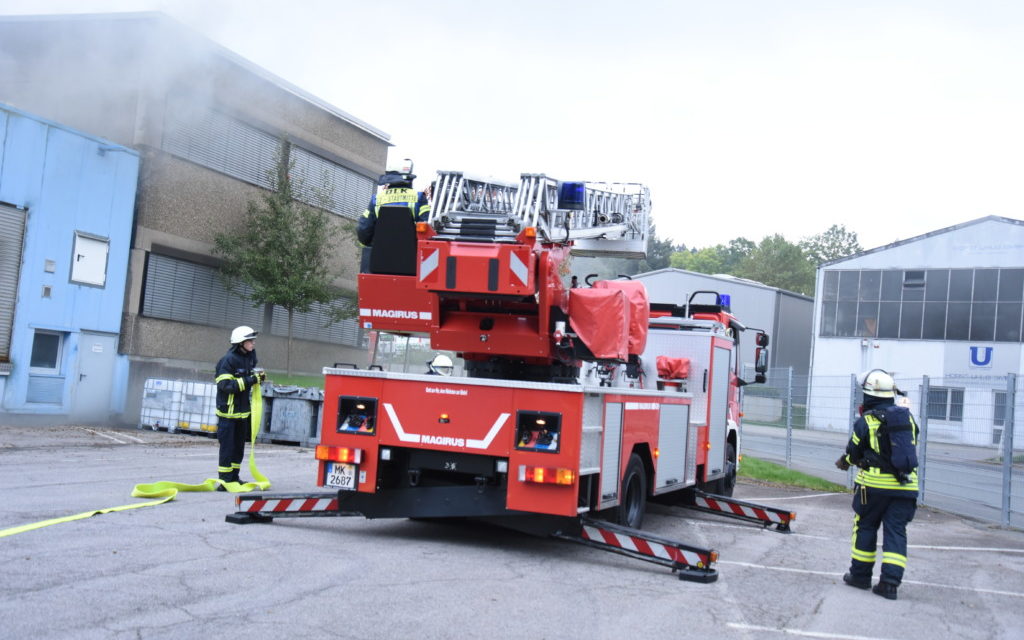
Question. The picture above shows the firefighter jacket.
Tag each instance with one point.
(417, 203)
(235, 379)
(864, 451)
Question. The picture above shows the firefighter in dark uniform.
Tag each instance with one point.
(880, 497)
(397, 183)
(236, 376)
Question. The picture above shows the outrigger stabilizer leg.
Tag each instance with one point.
(254, 508)
(746, 511)
(690, 563)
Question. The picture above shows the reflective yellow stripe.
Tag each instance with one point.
(226, 414)
(223, 469)
(874, 478)
(894, 558)
(224, 376)
(855, 438)
(241, 383)
(863, 556)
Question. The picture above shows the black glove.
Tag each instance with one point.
(261, 376)
(842, 464)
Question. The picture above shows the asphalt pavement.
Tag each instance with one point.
(179, 571)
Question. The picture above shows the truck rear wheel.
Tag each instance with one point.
(728, 483)
(633, 497)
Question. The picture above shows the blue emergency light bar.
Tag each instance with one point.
(725, 300)
(572, 195)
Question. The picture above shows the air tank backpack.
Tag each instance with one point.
(897, 441)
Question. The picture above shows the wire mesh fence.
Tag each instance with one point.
(970, 461)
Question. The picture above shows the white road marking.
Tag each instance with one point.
(800, 632)
(1013, 594)
(995, 549)
(810, 495)
(97, 433)
(748, 527)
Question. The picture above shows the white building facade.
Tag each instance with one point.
(948, 305)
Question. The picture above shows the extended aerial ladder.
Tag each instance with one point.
(599, 218)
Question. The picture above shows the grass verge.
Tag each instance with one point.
(764, 471)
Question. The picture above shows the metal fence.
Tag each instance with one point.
(970, 462)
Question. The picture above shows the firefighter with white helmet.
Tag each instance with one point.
(441, 365)
(236, 376)
(883, 445)
(398, 192)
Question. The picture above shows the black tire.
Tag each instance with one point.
(633, 495)
(728, 483)
(724, 485)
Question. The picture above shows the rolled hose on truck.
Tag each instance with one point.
(166, 490)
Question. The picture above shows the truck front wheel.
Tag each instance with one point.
(633, 498)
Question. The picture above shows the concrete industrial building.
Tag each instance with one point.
(948, 304)
(206, 124)
(785, 315)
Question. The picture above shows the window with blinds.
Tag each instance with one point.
(188, 292)
(316, 324)
(179, 290)
(12, 233)
(225, 144)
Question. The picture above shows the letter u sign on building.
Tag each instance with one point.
(981, 356)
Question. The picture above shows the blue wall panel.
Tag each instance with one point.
(67, 182)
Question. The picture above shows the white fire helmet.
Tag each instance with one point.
(442, 365)
(877, 383)
(243, 333)
(400, 166)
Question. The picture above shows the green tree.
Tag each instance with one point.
(777, 262)
(709, 260)
(829, 245)
(281, 250)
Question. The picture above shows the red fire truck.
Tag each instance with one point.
(578, 404)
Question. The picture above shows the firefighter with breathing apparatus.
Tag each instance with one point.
(883, 446)
(398, 191)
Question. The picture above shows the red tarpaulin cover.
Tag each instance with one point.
(640, 310)
(673, 368)
(599, 318)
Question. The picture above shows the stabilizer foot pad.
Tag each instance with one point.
(247, 518)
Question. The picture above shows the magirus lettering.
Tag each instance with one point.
(445, 441)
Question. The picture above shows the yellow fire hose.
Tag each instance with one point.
(166, 490)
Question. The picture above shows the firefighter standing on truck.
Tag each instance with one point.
(236, 376)
(397, 183)
(883, 494)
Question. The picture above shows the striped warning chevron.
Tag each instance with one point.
(722, 505)
(690, 563)
(647, 547)
(266, 507)
(284, 505)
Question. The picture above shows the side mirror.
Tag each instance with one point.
(760, 378)
(761, 360)
(762, 339)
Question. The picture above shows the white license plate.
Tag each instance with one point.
(340, 475)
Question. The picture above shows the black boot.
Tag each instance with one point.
(885, 589)
(223, 477)
(861, 582)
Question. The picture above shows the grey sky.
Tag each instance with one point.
(745, 118)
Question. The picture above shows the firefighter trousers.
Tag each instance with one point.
(232, 433)
(872, 508)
